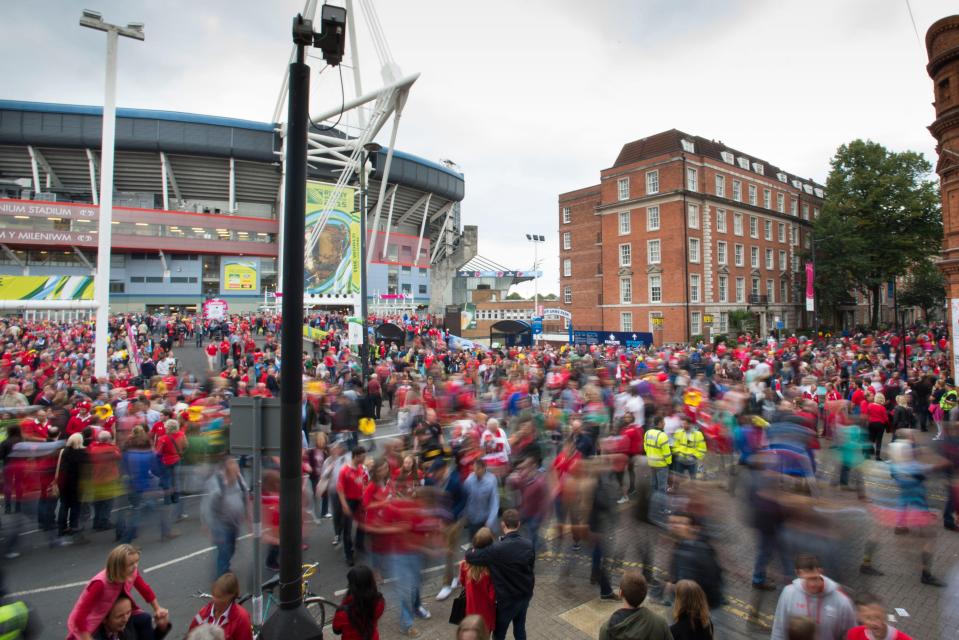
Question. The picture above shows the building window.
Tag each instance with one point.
(136, 279)
(723, 321)
(722, 284)
(767, 199)
(721, 220)
(407, 288)
(695, 326)
(737, 191)
(753, 227)
(652, 251)
(783, 289)
(624, 224)
(567, 268)
(815, 213)
(754, 257)
(768, 230)
(805, 212)
(626, 321)
(794, 207)
(738, 255)
(652, 218)
(406, 269)
(738, 224)
(752, 194)
(652, 182)
(740, 290)
(694, 280)
(625, 290)
(625, 255)
(566, 215)
(769, 259)
(692, 179)
(422, 289)
(622, 187)
(721, 252)
(655, 288)
(770, 292)
(694, 249)
(117, 286)
(567, 240)
(794, 235)
(795, 261)
(692, 216)
(782, 232)
(720, 186)
(782, 260)
(781, 203)
(728, 157)
(754, 290)
(567, 295)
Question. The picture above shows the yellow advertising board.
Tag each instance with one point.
(239, 275)
(46, 287)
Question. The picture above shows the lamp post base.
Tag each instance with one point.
(287, 624)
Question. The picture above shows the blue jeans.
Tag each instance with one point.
(683, 466)
(658, 478)
(532, 527)
(224, 537)
(768, 544)
(405, 569)
(140, 504)
(511, 612)
(598, 571)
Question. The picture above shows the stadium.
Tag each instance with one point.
(196, 202)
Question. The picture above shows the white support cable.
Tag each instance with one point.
(232, 185)
(419, 244)
(39, 160)
(412, 209)
(389, 220)
(384, 179)
(403, 83)
(35, 166)
(355, 55)
(92, 161)
(439, 236)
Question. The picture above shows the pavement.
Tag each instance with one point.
(564, 606)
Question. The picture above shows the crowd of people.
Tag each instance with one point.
(826, 448)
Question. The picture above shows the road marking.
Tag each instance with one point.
(162, 565)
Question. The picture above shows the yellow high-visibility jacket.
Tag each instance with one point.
(658, 453)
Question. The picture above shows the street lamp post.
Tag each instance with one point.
(101, 284)
(536, 240)
(368, 149)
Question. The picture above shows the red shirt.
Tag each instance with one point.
(876, 413)
(859, 633)
(168, 450)
(480, 596)
(235, 621)
(343, 626)
(351, 482)
(78, 423)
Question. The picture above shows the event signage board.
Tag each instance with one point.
(499, 274)
(239, 275)
(537, 325)
(215, 309)
(628, 339)
(46, 287)
(333, 266)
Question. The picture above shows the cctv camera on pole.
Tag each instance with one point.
(290, 619)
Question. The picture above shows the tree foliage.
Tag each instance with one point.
(881, 216)
(515, 296)
(925, 288)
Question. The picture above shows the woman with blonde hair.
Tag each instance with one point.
(478, 584)
(877, 418)
(121, 576)
(472, 628)
(691, 611)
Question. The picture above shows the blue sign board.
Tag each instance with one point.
(537, 325)
(779, 324)
(630, 340)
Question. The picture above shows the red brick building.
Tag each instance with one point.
(680, 231)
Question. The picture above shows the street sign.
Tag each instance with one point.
(707, 318)
(658, 322)
(613, 338)
(537, 325)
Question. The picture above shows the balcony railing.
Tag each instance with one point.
(758, 300)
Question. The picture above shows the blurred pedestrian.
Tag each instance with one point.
(472, 628)
(633, 621)
(691, 612)
(224, 510)
(358, 615)
(813, 594)
(871, 612)
(478, 583)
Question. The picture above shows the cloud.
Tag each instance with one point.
(531, 98)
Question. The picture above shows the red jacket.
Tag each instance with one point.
(168, 450)
(877, 413)
(480, 596)
(236, 626)
(343, 626)
(859, 633)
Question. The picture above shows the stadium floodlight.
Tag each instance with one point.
(101, 283)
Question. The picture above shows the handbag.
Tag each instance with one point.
(367, 426)
(458, 610)
(54, 490)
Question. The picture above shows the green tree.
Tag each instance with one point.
(740, 321)
(884, 211)
(925, 288)
(550, 296)
(515, 296)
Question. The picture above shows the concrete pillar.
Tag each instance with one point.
(942, 45)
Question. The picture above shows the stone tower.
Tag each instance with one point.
(942, 44)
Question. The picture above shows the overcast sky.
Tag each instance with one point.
(529, 98)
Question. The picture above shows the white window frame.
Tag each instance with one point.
(652, 182)
(695, 287)
(626, 321)
(781, 202)
(722, 287)
(781, 232)
(652, 219)
(720, 221)
(754, 257)
(696, 323)
(783, 291)
(738, 224)
(754, 286)
(723, 321)
(625, 290)
(740, 289)
(722, 252)
(768, 230)
(782, 260)
(626, 255)
(767, 199)
(770, 291)
(567, 215)
(805, 212)
(720, 185)
(567, 295)
(692, 215)
(695, 250)
(655, 282)
(794, 206)
(622, 189)
(770, 260)
(567, 268)
(738, 255)
(650, 257)
(567, 241)
(753, 227)
(625, 223)
(753, 195)
(692, 179)
(737, 190)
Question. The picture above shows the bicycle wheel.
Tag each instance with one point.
(316, 607)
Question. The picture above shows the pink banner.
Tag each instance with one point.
(810, 290)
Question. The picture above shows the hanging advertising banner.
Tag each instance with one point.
(355, 337)
(810, 290)
(136, 361)
(333, 266)
(468, 316)
(239, 275)
(46, 287)
(215, 309)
